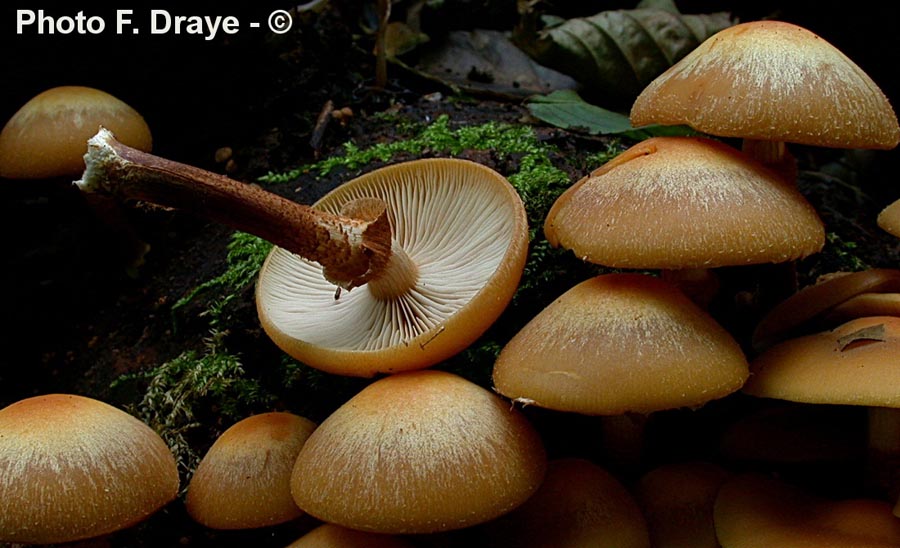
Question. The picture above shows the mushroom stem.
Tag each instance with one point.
(352, 251)
(399, 276)
(884, 451)
(774, 155)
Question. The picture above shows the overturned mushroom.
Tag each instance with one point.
(439, 244)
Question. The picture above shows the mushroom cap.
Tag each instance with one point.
(889, 219)
(462, 225)
(578, 504)
(852, 364)
(244, 480)
(678, 202)
(73, 467)
(770, 80)
(620, 343)
(418, 452)
(329, 535)
(677, 500)
(754, 511)
(48, 136)
(822, 299)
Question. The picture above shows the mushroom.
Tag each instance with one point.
(771, 82)
(418, 452)
(243, 481)
(889, 219)
(676, 203)
(621, 346)
(677, 500)
(809, 306)
(852, 364)
(440, 245)
(329, 535)
(578, 504)
(73, 468)
(753, 510)
(620, 343)
(460, 232)
(46, 137)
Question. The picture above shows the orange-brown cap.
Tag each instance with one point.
(418, 452)
(461, 235)
(677, 500)
(579, 504)
(618, 343)
(852, 364)
(329, 535)
(73, 468)
(889, 219)
(48, 136)
(754, 511)
(244, 480)
(815, 302)
(770, 80)
(675, 202)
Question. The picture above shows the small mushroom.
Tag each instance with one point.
(46, 137)
(676, 203)
(439, 244)
(753, 510)
(889, 219)
(243, 481)
(418, 452)
(771, 82)
(579, 504)
(852, 364)
(73, 468)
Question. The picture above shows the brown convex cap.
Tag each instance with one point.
(73, 468)
(48, 136)
(618, 343)
(770, 80)
(673, 203)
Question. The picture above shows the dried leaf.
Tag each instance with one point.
(566, 109)
(616, 53)
(871, 333)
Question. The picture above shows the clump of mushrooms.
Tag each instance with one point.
(438, 244)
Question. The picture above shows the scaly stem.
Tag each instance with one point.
(352, 251)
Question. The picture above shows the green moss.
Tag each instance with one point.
(176, 393)
(844, 254)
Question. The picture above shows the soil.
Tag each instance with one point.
(79, 314)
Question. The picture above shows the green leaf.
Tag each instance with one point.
(566, 109)
(616, 53)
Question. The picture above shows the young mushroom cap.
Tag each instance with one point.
(460, 239)
(852, 364)
(579, 504)
(771, 81)
(418, 452)
(46, 137)
(754, 511)
(674, 202)
(620, 343)
(244, 479)
(73, 468)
